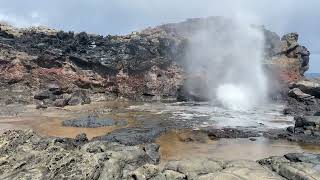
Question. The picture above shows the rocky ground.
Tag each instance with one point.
(302, 103)
(26, 155)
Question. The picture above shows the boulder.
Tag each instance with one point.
(311, 87)
(302, 99)
(308, 125)
(298, 94)
(43, 95)
(79, 97)
(60, 103)
(306, 130)
(55, 89)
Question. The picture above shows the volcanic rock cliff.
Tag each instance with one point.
(56, 68)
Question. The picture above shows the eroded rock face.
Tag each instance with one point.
(292, 59)
(146, 65)
(138, 66)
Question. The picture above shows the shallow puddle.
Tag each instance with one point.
(172, 148)
(49, 122)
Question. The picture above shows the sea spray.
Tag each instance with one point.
(228, 56)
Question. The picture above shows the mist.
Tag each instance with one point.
(227, 56)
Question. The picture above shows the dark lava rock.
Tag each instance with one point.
(306, 130)
(93, 122)
(55, 97)
(42, 95)
(79, 97)
(81, 138)
(305, 157)
(133, 135)
(55, 89)
(301, 107)
(230, 133)
(303, 99)
(60, 103)
(310, 86)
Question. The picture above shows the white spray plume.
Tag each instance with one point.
(228, 55)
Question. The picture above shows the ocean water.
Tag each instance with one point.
(312, 75)
(198, 115)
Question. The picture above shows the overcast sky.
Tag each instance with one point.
(124, 16)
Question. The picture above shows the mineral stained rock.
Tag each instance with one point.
(147, 65)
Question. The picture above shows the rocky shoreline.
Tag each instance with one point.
(56, 68)
(25, 154)
(52, 68)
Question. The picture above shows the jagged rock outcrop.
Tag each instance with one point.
(303, 98)
(136, 66)
(292, 59)
(306, 130)
(146, 65)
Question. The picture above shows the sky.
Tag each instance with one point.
(124, 16)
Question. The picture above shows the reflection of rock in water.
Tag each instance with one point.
(178, 145)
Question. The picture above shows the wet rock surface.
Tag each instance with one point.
(133, 135)
(93, 122)
(25, 154)
(306, 130)
(303, 98)
(230, 133)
